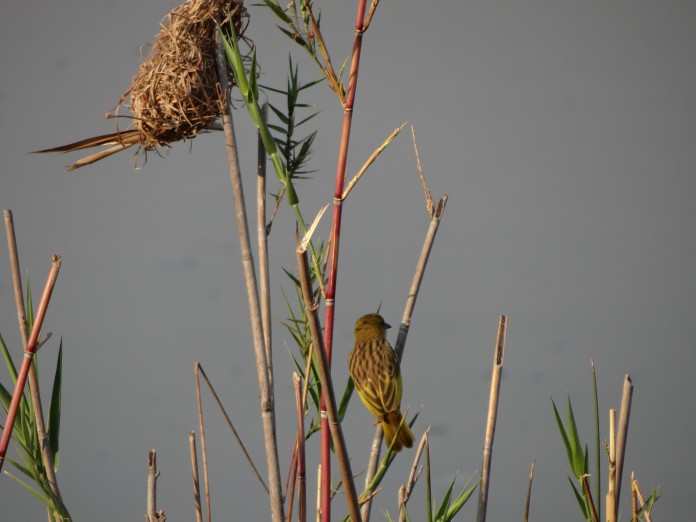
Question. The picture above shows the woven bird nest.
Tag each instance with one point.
(175, 93)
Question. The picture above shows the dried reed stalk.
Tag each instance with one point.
(334, 244)
(328, 390)
(201, 427)
(46, 454)
(499, 355)
(529, 493)
(435, 219)
(406, 489)
(152, 475)
(29, 352)
(611, 492)
(639, 495)
(196, 482)
(262, 367)
(622, 436)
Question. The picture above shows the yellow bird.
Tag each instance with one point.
(374, 366)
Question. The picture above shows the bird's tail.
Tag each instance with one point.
(118, 140)
(394, 428)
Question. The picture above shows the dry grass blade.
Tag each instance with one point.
(406, 490)
(371, 160)
(639, 494)
(428, 196)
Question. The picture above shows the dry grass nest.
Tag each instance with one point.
(175, 93)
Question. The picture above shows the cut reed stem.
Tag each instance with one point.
(622, 436)
(301, 472)
(201, 427)
(499, 354)
(610, 507)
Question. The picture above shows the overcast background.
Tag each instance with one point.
(563, 133)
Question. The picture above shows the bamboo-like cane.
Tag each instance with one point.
(46, 454)
(492, 417)
(436, 218)
(335, 240)
(611, 493)
(634, 504)
(529, 493)
(328, 390)
(319, 483)
(196, 482)
(262, 368)
(28, 356)
(301, 472)
(622, 436)
(201, 427)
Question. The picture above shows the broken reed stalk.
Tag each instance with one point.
(301, 471)
(328, 390)
(610, 507)
(435, 219)
(334, 244)
(622, 436)
(151, 485)
(262, 235)
(319, 493)
(406, 489)
(28, 357)
(498, 359)
(262, 367)
(46, 454)
(639, 494)
(529, 492)
(196, 482)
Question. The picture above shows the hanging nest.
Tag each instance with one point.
(175, 94)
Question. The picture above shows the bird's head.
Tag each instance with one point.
(371, 325)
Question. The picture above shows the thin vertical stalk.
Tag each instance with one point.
(46, 454)
(301, 471)
(622, 435)
(262, 235)
(201, 427)
(492, 417)
(335, 240)
(28, 357)
(196, 482)
(529, 492)
(262, 368)
(436, 218)
(327, 388)
(610, 507)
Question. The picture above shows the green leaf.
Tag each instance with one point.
(580, 498)
(461, 499)
(345, 398)
(8, 360)
(54, 410)
(278, 11)
(444, 505)
(41, 498)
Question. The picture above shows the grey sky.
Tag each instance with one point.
(563, 133)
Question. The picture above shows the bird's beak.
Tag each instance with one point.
(387, 326)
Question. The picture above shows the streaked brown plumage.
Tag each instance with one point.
(374, 366)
